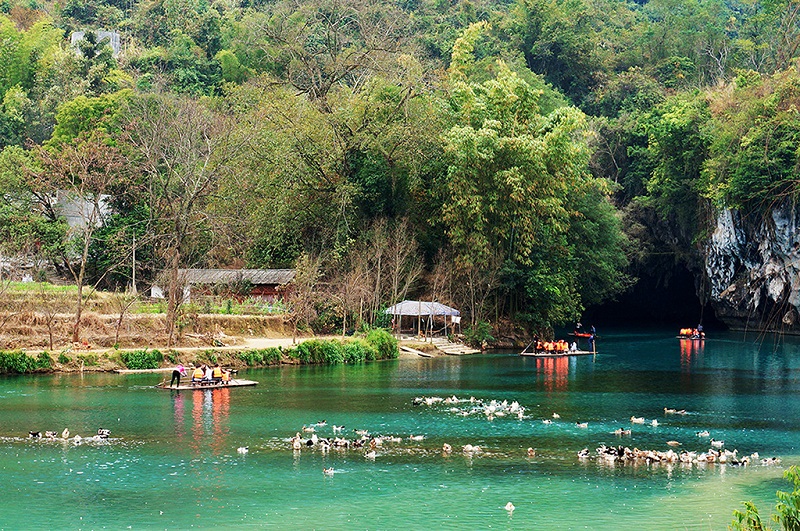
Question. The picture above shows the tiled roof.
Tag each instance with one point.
(230, 276)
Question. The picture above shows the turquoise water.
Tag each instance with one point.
(172, 461)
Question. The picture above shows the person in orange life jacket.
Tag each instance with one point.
(197, 374)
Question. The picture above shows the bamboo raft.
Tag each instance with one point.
(557, 354)
(209, 386)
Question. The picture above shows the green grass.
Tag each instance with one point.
(217, 306)
(38, 287)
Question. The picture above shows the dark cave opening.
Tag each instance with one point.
(657, 301)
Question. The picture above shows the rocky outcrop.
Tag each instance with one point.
(752, 268)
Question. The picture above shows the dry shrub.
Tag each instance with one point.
(28, 318)
(144, 322)
(243, 325)
(21, 330)
(91, 319)
(101, 341)
(30, 329)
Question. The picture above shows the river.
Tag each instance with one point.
(172, 461)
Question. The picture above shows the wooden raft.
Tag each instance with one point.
(204, 387)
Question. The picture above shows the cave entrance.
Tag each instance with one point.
(664, 300)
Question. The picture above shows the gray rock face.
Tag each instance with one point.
(752, 265)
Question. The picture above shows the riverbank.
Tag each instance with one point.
(243, 352)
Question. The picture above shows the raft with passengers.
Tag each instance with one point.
(692, 333)
(204, 377)
(555, 349)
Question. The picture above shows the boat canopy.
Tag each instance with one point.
(421, 309)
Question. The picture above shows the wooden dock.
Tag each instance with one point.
(415, 351)
(453, 349)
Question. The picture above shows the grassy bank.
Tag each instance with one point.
(375, 345)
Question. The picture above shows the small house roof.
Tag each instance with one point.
(421, 308)
(229, 276)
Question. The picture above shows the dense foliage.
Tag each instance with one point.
(17, 362)
(142, 359)
(266, 356)
(483, 154)
(377, 345)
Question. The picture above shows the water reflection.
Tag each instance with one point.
(691, 352)
(177, 406)
(209, 420)
(554, 372)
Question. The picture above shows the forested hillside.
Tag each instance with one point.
(521, 160)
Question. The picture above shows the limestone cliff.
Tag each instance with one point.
(752, 267)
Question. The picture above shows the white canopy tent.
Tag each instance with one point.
(420, 309)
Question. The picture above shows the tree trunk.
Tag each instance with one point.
(76, 328)
(173, 299)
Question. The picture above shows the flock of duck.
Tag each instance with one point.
(101, 435)
(314, 437)
(309, 439)
(717, 453)
(612, 454)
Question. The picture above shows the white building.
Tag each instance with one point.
(112, 36)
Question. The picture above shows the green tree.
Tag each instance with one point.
(515, 180)
(753, 157)
(678, 147)
(84, 115)
(315, 46)
(557, 38)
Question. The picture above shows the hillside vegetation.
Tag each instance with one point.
(509, 158)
